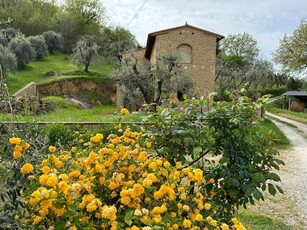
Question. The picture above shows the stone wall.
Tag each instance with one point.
(28, 91)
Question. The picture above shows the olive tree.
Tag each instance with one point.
(8, 61)
(23, 51)
(39, 45)
(152, 83)
(7, 34)
(85, 52)
(53, 40)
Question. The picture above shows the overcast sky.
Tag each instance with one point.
(266, 20)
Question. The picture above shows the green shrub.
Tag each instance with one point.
(59, 134)
(221, 137)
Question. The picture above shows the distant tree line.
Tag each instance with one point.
(72, 19)
(239, 64)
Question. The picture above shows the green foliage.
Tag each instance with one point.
(8, 61)
(182, 131)
(115, 40)
(39, 45)
(53, 40)
(299, 117)
(6, 35)
(28, 16)
(291, 53)
(244, 155)
(238, 65)
(59, 135)
(242, 47)
(61, 65)
(87, 11)
(247, 157)
(255, 220)
(274, 134)
(13, 181)
(86, 52)
(152, 83)
(23, 51)
(294, 83)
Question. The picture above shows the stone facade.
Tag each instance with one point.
(197, 49)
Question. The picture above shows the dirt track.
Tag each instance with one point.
(291, 208)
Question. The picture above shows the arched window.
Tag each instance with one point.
(185, 53)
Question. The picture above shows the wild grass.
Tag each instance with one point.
(258, 221)
(66, 111)
(296, 116)
(275, 134)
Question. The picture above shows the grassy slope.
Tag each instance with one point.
(59, 63)
(299, 117)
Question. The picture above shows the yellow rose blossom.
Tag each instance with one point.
(43, 179)
(26, 168)
(26, 146)
(157, 218)
(37, 219)
(113, 185)
(59, 211)
(124, 111)
(16, 155)
(15, 140)
(157, 195)
(199, 217)
(16, 218)
(52, 149)
(225, 227)
(73, 149)
(187, 223)
(45, 169)
(74, 174)
(43, 211)
(138, 212)
(148, 145)
(97, 138)
(58, 164)
(64, 177)
(18, 148)
(166, 164)
(207, 206)
(52, 181)
(211, 181)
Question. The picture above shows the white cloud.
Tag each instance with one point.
(265, 20)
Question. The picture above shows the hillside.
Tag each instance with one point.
(61, 65)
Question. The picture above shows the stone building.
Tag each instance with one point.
(197, 49)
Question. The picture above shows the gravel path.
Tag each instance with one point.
(291, 208)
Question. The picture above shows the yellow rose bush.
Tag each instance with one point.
(114, 183)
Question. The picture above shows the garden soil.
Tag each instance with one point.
(290, 208)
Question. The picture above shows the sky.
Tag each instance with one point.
(266, 20)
